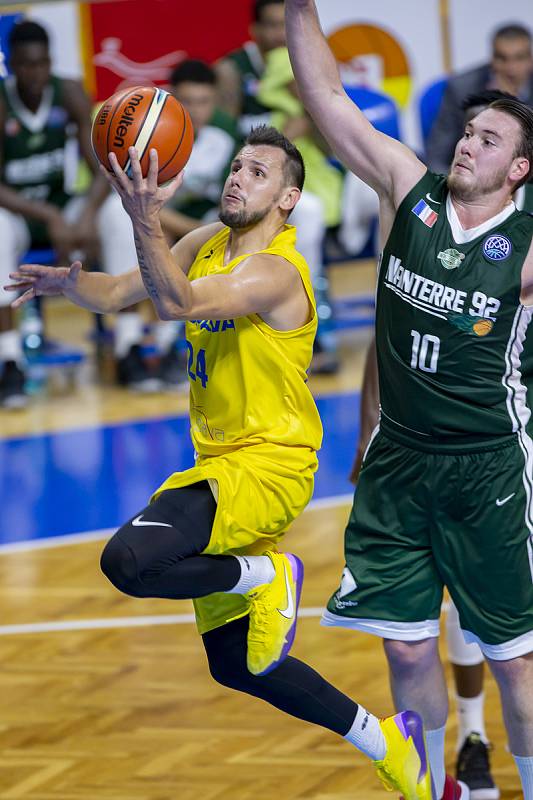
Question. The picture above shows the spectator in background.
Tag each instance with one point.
(239, 76)
(277, 91)
(216, 139)
(510, 70)
(239, 72)
(39, 113)
(196, 202)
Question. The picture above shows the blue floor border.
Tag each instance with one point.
(95, 478)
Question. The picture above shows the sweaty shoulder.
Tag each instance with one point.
(270, 261)
(202, 235)
(187, 248)
(274, 269)
(284, 301)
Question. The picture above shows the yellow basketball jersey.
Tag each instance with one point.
(248, 381)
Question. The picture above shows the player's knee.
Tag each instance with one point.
(407, 657)
(118, 564)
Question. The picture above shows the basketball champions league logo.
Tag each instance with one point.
(154, 71)
(497, 247)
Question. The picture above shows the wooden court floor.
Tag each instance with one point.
(131, 713)
(104, 697)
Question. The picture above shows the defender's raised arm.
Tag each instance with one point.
(385, 164)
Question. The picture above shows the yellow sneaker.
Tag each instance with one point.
(405, 767)
(273, 610)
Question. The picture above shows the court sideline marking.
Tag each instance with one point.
(126, 622)
(106, 533)
(118, 622)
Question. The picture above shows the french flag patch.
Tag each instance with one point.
(425, 213)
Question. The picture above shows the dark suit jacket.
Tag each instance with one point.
(449, 124)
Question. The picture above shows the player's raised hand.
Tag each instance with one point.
(34, 280)
(141, 197)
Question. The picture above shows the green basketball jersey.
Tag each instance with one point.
(249, 63)
(34, 144)
(450, 326)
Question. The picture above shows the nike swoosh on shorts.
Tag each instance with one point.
(139, 522)
(505, 499)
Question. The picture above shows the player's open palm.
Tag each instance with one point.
(34, 280)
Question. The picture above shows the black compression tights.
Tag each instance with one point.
(156, 554)
(292, 687)
(162, 560)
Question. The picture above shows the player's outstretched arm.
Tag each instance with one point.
(383, 163)
(95, 291)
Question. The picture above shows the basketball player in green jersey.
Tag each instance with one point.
(446, 490)
(473, 758)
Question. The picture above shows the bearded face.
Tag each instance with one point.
(241, 217)
(464, 185)
(485, 159)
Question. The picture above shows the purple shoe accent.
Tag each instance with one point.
(298, 574)
(297, 568)
(410, 724)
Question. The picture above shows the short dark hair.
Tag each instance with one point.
(259, 5)
(26, 32)
(514, 31)
(192, 71)
(485, 98)
(524, 116)
(293, 168)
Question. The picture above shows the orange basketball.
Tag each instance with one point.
(144, 117)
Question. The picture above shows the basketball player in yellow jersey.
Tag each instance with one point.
(210, 533)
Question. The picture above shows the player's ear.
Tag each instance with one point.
(519, 168)
(289, 198)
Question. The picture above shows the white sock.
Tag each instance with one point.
(525, 768)
(11, 346)
(128, 331)
(470, 718)
(255, 570)
(435, 748)
(166, 333)
(366, 735)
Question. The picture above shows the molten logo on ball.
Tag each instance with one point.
(127, 118)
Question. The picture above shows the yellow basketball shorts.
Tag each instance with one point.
(261, 490)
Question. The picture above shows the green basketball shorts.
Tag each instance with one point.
(424, 520)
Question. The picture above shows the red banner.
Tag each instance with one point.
(139, 41)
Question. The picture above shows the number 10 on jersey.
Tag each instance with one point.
(425, 352)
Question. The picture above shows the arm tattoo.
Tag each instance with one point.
(145, 273)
